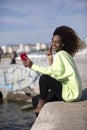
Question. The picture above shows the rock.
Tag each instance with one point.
(27, 107)
(17, 97)
(29, 100)
(62, 116)
(29, 91)
(36, 88)
(1, 97)
(4, 92)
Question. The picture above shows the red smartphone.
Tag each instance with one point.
(23, 55)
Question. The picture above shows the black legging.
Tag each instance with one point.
(50, 90)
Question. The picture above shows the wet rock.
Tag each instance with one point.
(27, 107)
(17, 97)
(1, 97)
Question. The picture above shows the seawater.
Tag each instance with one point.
(13, 118)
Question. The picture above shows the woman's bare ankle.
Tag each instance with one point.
(39, 106)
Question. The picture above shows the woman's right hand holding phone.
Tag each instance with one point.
(49, 56)
(26, 61)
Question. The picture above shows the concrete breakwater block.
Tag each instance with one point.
(62, 116)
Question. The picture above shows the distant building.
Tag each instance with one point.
(40, 46)
(4, 48)
(27, 48)
(10, 49)
(23, 48)
(43, 46)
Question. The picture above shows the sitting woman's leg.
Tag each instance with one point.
(47, 83)
(50, 97)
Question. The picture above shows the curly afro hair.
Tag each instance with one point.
(72, 43)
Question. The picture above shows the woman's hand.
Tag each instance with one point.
(49, 57)
(27, 62)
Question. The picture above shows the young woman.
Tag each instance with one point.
(61, 77)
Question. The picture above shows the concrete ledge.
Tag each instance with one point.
(62, 116)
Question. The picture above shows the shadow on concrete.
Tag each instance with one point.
(84, 94)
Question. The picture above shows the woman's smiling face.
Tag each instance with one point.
(56, 43)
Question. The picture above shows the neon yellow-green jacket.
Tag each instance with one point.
(64, 70)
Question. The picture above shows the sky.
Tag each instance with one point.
(31, 21)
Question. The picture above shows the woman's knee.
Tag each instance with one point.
(43, 78)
